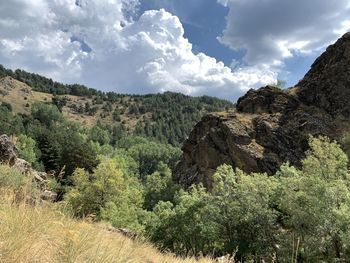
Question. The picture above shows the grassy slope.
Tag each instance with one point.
(21, 97)
(42, 234)
(35, 231)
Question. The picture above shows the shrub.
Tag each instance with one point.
(21, 185)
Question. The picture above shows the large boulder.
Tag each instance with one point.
(271, 126)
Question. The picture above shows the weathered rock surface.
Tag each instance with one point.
(25, 168)
(327, 84)
(7, 151)
(271, 126)
(48, 195)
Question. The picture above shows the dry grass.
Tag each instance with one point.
(19, 95)
(42, 234)
(22, 97)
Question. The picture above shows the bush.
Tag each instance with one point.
(26, 148)
(6, 105)
(106, 194)
(22, 185)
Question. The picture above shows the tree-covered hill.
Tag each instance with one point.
(167, 117)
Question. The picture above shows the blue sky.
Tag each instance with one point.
(203, 22)
(213, 47)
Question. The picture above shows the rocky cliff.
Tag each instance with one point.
(271, 126)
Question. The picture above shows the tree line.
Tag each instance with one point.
(167, 117)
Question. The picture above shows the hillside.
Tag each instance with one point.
(168, 117)
(276, 194)
(43, 232)
(271, 126)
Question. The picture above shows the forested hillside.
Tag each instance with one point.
(166, 117)
(297, 213)
(267, 182)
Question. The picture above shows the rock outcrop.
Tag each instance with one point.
(271, 126)
(327, 84)
(8, 157)
(7, 151)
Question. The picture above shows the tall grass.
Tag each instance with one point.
(39, 232)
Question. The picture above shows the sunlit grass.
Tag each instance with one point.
(40, 233)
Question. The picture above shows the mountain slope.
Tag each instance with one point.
(271, 126)
(168, 117)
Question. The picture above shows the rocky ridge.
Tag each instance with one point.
(271, 126)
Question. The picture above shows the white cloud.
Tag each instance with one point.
(344, 27)
(95, 42)
(272, 31)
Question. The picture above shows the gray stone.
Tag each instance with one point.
(7, 151)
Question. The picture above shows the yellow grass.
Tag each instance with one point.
(40, 233)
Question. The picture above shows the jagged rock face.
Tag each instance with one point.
(327, 84)
(266, 100)
(271, 126)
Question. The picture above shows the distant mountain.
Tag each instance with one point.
(271, 126)
(168, 117)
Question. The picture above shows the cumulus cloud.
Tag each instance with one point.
(272, 31)
(97, 43)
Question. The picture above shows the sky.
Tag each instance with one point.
(197, 47)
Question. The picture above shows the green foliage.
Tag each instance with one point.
(316, 214)
(298, 215)
(149, 154)
(21, 185)
(46, 114)
(78, 153)
(315, 202)
(49, 143)
(10, 124)
(11, 178)
(325, 159)
(26, 148)
(237, 214)
(97, 134)
(159, 186)
(116, 115)
(63, 145)
(106, 194)
(246, 218)
(59, 102)
(6, 105)
(183, 227)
